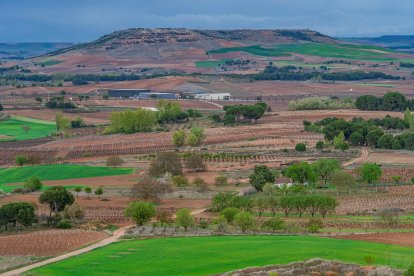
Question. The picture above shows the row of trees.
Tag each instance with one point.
(391, 101)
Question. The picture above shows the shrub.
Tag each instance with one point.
(114, 161)
(179, 138)
(184, 218)
(245, 221)
(73, 211)
(200, 184)
(221, 180)
(203, 224)
(300, 147)
(21, 160)
(33, 184)
(64, 224)
(410, 270)
(195, 162)
(320, 145)
(314, 225)
(180, 181)
(149, 189)
(274, 224)
(229, 213)
(166, 162)
(164, 216)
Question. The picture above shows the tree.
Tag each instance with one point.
(373, 136)
(21, 160)
(356, 139)
(343, 181)
(179, 138)
(300, 173)
(73, 211)
(386, 141)
(26, 128)
(339, 140)
(195, 162)
(229, 213)
(78, 189)
(99, 192)
(245, 221)
(320, 145)
(260, 203)
(274, 224)
(114, 161)
(327, 204)
(148, 189)
(324, 168)
(166, 162)
(184, 218)
(409, 118)
(141, 212)
(17, 213)
(370, 172)
(62, 124)
(57, 198)
(131, 121)
(300, 147)
(261, 176)
(180, 181)
(196, 137)
(88, 190)
(33, 184)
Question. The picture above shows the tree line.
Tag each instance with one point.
(391, 101)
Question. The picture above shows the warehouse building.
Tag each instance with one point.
(158, 95)
(213, 96)
(126, 93)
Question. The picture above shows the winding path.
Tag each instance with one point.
(360, 159)
(116, 235)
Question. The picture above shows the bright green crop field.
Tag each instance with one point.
(211, 255)
(210, 63)
(346, 51)
(55, 172)
(13, 130)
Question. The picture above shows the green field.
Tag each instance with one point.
(211, 255)
(55, 172)
(210, 63)
(50, 62)
(346, 51)
(12, 128)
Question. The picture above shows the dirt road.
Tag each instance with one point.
(116, 235)
(360, 159)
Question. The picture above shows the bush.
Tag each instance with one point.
(300, 147)
(180, 181)
(184, 218)
(114, 161)
(200, 184)
(274, 224)
(141, 212)
(314, 225)
(179, 138)
(245, 221)
(229, 213)
(64, 224)
(21, 160)
(320, 145)
(166, 162)
(221, 180)
(320, 103)
(195, 162)
(33, 184)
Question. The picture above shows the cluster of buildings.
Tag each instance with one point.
(148, 94)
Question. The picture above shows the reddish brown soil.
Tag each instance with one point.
(47, 243)
(404, 239)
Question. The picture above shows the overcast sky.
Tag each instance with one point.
(85, 20)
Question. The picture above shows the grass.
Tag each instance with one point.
(341, 51)
(12, 128)
(55, 172)
(210, 63)
(50, 62)
(212, 255)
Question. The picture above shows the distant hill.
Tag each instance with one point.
(403, 43)
(27, 50)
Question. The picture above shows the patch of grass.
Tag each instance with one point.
(50, 62)
(346, 51)
(212, 255)
(379, 85)
(210, 63)
(13, 128)
(55, 172)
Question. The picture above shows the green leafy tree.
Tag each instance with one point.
(324, 168)
(356, 139)
(33, 184)
(245, 221)
(229, 213)
(88, 190)
(339, 140)
(184, 218)
(196, 137)
(370, 172)
(373, 137)
(320, 145)
(57, 198)
(300, 173)
(99, 192)
(140, 211)
(21, 160)
(17, 213)
(78, 189)
(179, 138)
(274, 224)
(261, 175)
(300, 147)
(386, 141)
(62, 123)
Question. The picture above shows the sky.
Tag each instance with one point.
(86, 20)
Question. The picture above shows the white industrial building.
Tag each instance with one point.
(213, 96)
